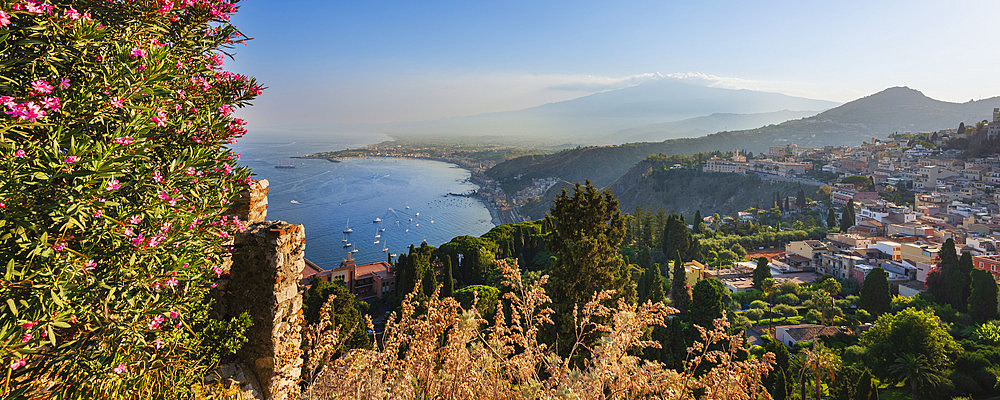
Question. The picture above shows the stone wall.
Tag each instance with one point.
(267, 264)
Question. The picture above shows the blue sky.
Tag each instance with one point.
(329, 62)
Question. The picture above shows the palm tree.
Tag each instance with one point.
(915, 370)
(822, 362)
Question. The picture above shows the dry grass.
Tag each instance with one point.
(437, 350)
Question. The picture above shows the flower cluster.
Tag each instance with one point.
(115, 126)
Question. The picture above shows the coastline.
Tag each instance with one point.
(477, 178)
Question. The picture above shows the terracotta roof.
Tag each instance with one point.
(310, 269)
(806, 332)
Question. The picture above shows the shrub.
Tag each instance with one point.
(448, 349)
(760, 304)
(786, 310)
(789, 299)
(114, 181)
(754, 314)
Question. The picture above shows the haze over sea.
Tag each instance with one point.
(323, 195)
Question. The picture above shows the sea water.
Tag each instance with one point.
(411, 197)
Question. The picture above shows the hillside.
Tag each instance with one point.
(652, 184)
(878, 115)
(596, 118)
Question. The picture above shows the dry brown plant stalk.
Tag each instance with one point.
(443, 351)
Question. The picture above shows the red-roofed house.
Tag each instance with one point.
(364, 281)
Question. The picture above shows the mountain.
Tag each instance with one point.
(897, 109)
(704, 125)
(592, 118)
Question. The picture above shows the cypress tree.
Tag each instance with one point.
(587, 229)
(847, 219)
(656, 284)
(762, 272)
(983, 296)
(429, 282)
(875, 295)
(945, 282)
(800, 198)
(831, 218)
(679, 292)
(449, 282)
(709, 299)
(965, 273)
(699, 223)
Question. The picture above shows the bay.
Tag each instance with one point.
(409, 196)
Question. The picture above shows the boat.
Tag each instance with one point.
(295, 202)
(348, 230)
(345, 240)
(377, 220)
(418, 224)
(291, 164)
(377, 236)
(375, 242)
(418, 214)
(354, 251)
(383, 229)
(346, 245)
(432, 221)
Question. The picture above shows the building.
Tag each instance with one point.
(993, 129)
(811, 250)
(364, 281)
(910, 229)
(792, 334)
(989, 264)
(840, 265)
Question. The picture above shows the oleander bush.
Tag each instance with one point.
(115, 177)
(438, 349)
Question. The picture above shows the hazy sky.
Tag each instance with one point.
(375, 61)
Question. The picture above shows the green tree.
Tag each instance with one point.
(449, 282)
(761, 273)
(488, 296)
(853, 383)
(947, 282)
(831, 218)
(738, 250)
(875, 295)
(778, 382)
(830, 286)
(699, 223)
(346, 314)
(918, 332)
(983, 296)
(656, 283)
(429, 282)
(586, 229)
(916, 371)
(680, 292)
(965, 271)
(709, 299)
(675, 237)
(800, 199)
(847, 218)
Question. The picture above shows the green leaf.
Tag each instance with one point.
(13, 308)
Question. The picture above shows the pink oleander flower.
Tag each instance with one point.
(171, 282)
(59, 246)
(160, 119)
(155, 240)
(71, 13)
(26, 337)
(27, 111)
(156, 286)
(71, 159)
(113, 185)
(64, 83)
(89, 265)
(157, 177)
(18, 363)
(155, 323)
(19, 153)
(121, 369)
(124, 140)
(165, 7)
(41, 87)
(4, 19)
(138, 53)
(163, 196)
(117, 102)
(28, 325)
(165, 227)
(37, 8)
(129, 231)
(157, 343)
(98, 214)
(7, 101)
(189, 171)
(135, 220)
(217, 271)
(225, 109)
(138, 240)
(175, 314)
(51, 103)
